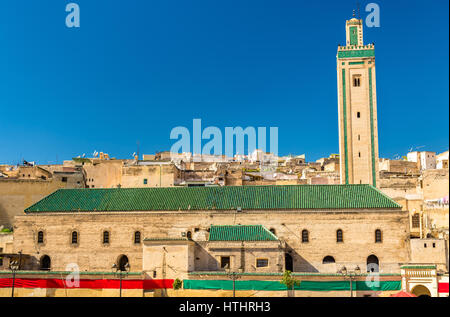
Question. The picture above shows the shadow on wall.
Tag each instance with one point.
(299, 263)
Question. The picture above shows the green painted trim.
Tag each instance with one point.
(356, 53)
(345, 125)
(324, 286)
(355, 63)
(372, 141)
(353, 35)
(418, 267)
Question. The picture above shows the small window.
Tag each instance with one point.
(262, 262)
(356, 81)
(328, 260)
(224, 262)
(424, 245)
(359, 137)
(305, 236)
(40, 238)
(105, 237)
(359, 154)
(415, 221)
(145, 181)
(358, 114)
(378, 238)
(339, 236)
(64, 179)
(74, 237)
(137, 237)
(272, 230)
(189, 235)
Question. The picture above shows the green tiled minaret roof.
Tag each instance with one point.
(241, 233)
(278, 197)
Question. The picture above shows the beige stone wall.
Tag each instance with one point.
(156, 176)
(359, 154)
(91, 255)
(430, 251)
(17, 195)
(435, 183)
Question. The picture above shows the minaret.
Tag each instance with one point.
(357, 102)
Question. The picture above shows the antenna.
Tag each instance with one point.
(358, 9)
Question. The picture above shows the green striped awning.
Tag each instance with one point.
(278, 197)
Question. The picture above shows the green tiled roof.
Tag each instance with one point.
(241, 233)
(276, 197)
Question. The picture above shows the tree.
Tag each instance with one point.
(177, 284)
(289, 281)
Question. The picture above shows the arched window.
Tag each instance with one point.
(339, 236)
(45, 263)
(74, 237)
(189, 235)
(372, 263)
(328, 259)
(305, 236)
(137, 237)
(105, 237)
(378, 237)
(122, 262)
(40, 237)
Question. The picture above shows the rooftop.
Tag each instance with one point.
(241, 233)
(278, 197)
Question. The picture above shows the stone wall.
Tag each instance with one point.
(92, 255)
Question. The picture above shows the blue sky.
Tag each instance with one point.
(136, 69)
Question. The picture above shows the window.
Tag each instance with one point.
(272, 230)
(356, 81)
(40, 237)
(262, 262)
(224, 262)
(74, 237)
(145, 181)
(415, 221)
(378, 238)
(189, 235)
(372, 263)
(64, 179)
(45, 263)
(105, 237)
(137, 237)
(424, 245)
(328, 260)
(358, 114)
(434, 245)
(359, 137)
(339, 236)
(359, 154)
(305, 236)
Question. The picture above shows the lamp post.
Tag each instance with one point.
(350, 275)
(118, 270)
(13, 266)
(233, 276)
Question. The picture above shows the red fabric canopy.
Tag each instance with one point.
(403, 294)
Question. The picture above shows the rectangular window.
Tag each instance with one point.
(356, 81)
(64, 179)
(262, 262)
(145, 181)
(224, 262)
(358, 114)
